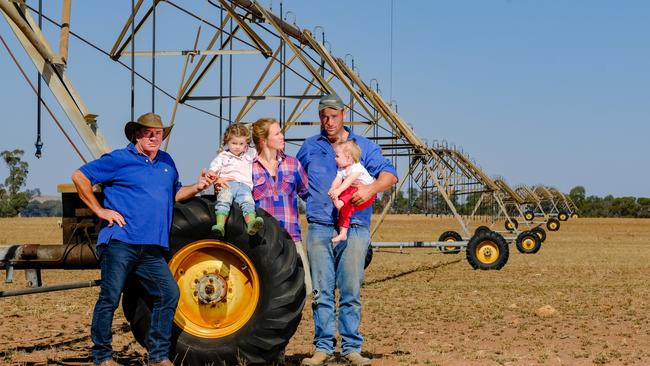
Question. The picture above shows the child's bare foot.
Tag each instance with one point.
(338, 204)
(339, 238)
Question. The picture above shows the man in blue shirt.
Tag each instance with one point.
(339, 266)
(140, 185)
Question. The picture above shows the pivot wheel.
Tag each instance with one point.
(511, 225)
(481, 229)
(528, 242)
(450, 236)
(553, 224)
(563, 216)
(539, 232)
(529, 215)
(241, 296)
(488, 250)
(574, 216)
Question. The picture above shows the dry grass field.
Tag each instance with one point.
(420, 307)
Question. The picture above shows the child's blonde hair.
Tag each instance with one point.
(351, 148)
(236, 130)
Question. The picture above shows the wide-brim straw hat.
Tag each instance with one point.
(146, 120)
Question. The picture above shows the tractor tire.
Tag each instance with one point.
(488, 250)
(260, 296)
(450, 236)
(540, 232)
(574, 216)
(528, 242)
(511, 226)
(563, 216)
(481, 229)
(553, 224)
(529, 215)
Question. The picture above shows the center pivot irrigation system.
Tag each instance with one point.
(242, 296)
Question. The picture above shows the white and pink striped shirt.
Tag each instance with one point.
(238, 168)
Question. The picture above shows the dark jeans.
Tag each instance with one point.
(118, 260)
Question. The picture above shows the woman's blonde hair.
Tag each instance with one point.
(236, 130)
(261, 130)
(351, 148)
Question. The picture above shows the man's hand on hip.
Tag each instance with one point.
(113, 217)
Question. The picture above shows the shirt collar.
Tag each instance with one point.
(225, 150)
(233, 155)
(131, 147)
(281, 156)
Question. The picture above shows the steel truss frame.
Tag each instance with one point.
(295, 70)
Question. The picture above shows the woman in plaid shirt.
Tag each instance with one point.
(278, 180)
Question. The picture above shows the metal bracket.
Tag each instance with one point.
(33, 277)
(9, 276)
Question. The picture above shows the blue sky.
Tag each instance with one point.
(553, 92)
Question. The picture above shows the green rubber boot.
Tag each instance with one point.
(220, 227)
(253, 223)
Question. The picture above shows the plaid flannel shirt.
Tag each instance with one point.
(279, 196)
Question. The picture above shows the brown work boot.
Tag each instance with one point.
(318, 359)
(355, 358)
(161, 363)
(108, 362)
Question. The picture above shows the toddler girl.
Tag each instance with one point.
(350, 172)
(235, 165)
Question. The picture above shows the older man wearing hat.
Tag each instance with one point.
(140, 185)
(338, 266)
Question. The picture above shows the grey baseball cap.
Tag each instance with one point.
(330, 101)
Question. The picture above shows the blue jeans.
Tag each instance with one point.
(117, 261)
(240, 193)
(341, 267)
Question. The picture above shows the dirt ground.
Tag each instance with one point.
(420, 307)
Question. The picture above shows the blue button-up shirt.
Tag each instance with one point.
(318, 158)
(141, 190)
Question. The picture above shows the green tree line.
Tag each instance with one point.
(609, 206)
(415, 201)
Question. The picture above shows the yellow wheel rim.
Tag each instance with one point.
(487, 252)
(563, 217)
(528, 243)
(539, 235)
(575, 216)
(552, 226)
(529, 217)
(450, 249)
(219, 288)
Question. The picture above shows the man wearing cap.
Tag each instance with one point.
(140, 185)
(339, 266)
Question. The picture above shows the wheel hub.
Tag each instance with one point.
(487, 252)
(211, 288)
(528, 243)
